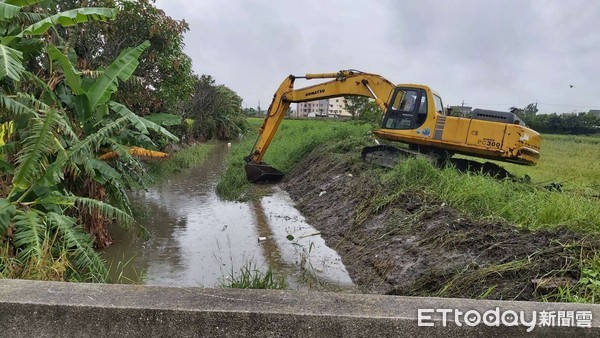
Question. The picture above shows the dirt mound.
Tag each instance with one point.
(417, 246)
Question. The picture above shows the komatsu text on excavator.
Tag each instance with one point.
(413, 114)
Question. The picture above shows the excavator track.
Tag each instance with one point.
(388, 157)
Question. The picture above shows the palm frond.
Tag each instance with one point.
(91, 144)
(69, 18)
(16, 107)
(65, 128)
(80, 247)
(7, 212)
(68, 200)
(121, 69)
(22, 3)
(42, 86)
(29, 234)
(118, 195)
(105, 209)
(11, 63)
(27, 18)
(72, 76)
(32, 102)
(32, 160)
(139, 122)
(8, 11)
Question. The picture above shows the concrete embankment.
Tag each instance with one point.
(29, 308)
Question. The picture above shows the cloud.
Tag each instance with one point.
(492, 54)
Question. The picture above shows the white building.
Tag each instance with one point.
(334, 107)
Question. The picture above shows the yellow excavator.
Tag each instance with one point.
(413, 114)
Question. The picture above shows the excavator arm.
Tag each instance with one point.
(342, 83)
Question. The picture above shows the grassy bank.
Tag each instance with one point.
(182, 159)
(482, 197)
(294, 140)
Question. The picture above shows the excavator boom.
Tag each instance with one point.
(343, 83)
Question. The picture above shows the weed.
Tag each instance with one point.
(249, 277)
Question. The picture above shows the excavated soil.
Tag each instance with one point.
(419, 246)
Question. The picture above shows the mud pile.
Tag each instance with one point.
(418, 246)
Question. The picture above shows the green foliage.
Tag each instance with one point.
(55, 189)
(216, 111)
(140, 123)
(8, 11)
(101, 90)
(164, 119)
(355, 104)
(587, 288)
(363, 108)
(10, 63)
(249, 277)
(571, 123)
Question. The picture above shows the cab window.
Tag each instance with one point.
(405, 106)
(439, 108)
(422, 115)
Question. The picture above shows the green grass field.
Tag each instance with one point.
(573, 161)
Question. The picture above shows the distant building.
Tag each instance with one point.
(334, 107)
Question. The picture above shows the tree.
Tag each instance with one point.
(530, 111)
(355, 104)
(164, 75)
(216, 111)
(371, 113)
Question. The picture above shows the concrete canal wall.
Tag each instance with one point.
(30, 308)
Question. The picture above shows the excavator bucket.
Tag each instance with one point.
(262, 173)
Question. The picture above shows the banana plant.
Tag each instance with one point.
(47, 153)
(89, 98)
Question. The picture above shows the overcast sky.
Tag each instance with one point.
(491, 54)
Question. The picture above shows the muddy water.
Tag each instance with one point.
(198, 239)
